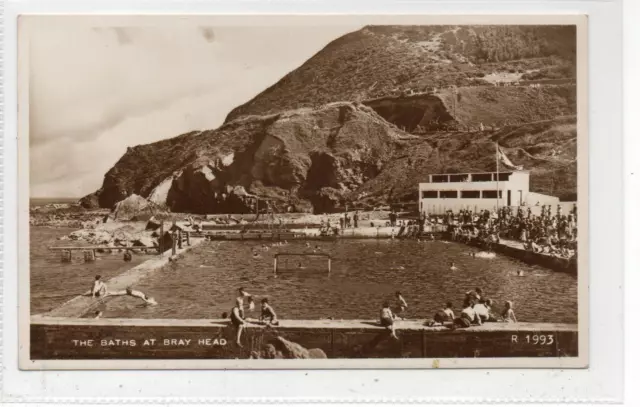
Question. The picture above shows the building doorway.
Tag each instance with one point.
(509, 197)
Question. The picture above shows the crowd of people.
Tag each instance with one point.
(550, 233)
(475, 310)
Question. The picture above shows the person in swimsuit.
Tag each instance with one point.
(443, 316)
(482, 312)
(252, 304)
(268, 314)
(401, 304)
(139, 294)
(237, 319)
(99, 288)
(134, 293)
(507, 314)
(467, 316)
(242, 293)
(386, 318)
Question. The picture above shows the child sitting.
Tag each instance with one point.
(507, 314)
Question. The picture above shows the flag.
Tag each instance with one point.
(506, 161)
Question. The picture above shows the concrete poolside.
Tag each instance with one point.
(80, 305)
(77, 338)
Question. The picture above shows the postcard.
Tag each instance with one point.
(267, 192)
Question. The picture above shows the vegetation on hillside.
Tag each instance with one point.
(379, 61)
(546, 148)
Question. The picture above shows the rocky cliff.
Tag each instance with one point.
(309, 159)
(367, 117)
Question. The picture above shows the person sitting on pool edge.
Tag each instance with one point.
(467, 316)
(386, 318)
(268, 314)
(99, 288)
(507, 314)
(237, 319)
(443, 317)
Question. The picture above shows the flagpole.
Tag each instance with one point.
(497, 179)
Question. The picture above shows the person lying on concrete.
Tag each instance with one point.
(134, 293)
(386, 319)
(268, 315)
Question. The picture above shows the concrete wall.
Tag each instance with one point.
(53, 339)
(533, 198)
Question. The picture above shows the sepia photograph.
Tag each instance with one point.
(355, 191)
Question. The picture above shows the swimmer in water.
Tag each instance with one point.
(401, 304)
(520, 273)
(452, 266)
(265, 247)
(242, 294)
(256, 254)
(300, 265)
(307, 244)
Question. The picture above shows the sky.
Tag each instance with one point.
(96, 90)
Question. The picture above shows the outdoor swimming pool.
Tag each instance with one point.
(204, 283)
(52, 282)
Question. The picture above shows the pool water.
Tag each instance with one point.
(364, 273)
(52, 282)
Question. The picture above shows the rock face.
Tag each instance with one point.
(310, 159)
(436, 82)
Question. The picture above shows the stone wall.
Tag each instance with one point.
(202, 339)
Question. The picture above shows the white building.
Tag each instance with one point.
(479, 191)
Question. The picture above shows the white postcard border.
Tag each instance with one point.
(600, 181)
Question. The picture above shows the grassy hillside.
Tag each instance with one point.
(546, 148)
(380, 61)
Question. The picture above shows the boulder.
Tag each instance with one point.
(292, 350)
(131, 207)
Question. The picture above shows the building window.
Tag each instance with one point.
(459, 178)
(491, 194)
(502, 176)
(470, 194)
(429, 194)
(439, 178)
(448, 194)
(481, 177)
